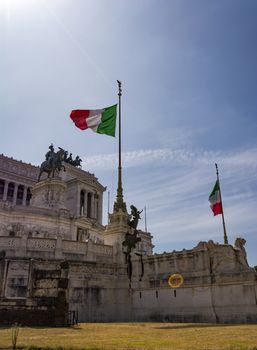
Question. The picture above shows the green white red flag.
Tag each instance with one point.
(101, 121)
(215, 199)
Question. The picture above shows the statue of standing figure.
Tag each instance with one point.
(131, 240)
(241, 252)
(135, 216)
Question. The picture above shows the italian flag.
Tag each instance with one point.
(215, 200)
(102, 121)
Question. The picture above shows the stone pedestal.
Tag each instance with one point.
(50, 193)
(115, 233)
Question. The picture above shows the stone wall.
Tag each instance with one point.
(41, 292)
(99, 292)
(33, 292)
(218, 287)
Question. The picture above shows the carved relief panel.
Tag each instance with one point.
(17, 279)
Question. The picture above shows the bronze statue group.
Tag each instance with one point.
(53, 163)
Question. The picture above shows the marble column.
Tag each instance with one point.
(93, 206)
(5, 190)
(89, 205)
(100, 208)
(96, 209)
(15, 193)
(81, 208)
(24, 195)
(78, 200)
(85, 203)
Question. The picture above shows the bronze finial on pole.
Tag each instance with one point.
(119, 204)
(223, 220)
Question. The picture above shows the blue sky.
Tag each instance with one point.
(189, 73)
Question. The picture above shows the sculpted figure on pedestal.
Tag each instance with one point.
(50, 154)
(53, 162)
(131, 239)
(77, 161)
(69, 159)
(135, 216)
(239, 245)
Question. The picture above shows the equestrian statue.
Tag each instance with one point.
(53, 162)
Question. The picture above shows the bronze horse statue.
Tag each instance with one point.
(53, 164)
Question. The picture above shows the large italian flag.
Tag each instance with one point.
(215, 199)
(102, 121)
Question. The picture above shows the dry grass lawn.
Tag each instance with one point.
(136, 336)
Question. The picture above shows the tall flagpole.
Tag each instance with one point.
(145, 221)
(119, 204)
(223, 221)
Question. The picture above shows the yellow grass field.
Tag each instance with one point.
(136, 336)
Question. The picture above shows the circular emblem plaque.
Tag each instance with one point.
(176, 280)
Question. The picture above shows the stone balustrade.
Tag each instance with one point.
(41, 244)
(102, 249)
(63, 249)
(74, 246)
(7, 242)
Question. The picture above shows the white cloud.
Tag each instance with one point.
(176, 191)
(178, 156)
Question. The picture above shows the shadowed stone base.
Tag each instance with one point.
(50, 193)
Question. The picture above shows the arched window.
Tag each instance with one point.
(89, 203)
(29, 195)
(10, 192)
(82, 203)
(2, 183)
(20, 195)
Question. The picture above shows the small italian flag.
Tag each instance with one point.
(102, 121)
(215, 199)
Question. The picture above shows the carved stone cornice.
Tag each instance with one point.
(19, 179)
(11, 167)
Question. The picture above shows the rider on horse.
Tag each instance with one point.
(50, 154)
(53, 162)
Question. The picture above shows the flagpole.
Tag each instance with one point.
(145, 221)
(223, 220)
(119, 204)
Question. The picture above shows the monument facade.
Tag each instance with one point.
(59, 264)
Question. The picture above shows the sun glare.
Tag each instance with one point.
(18, 6)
